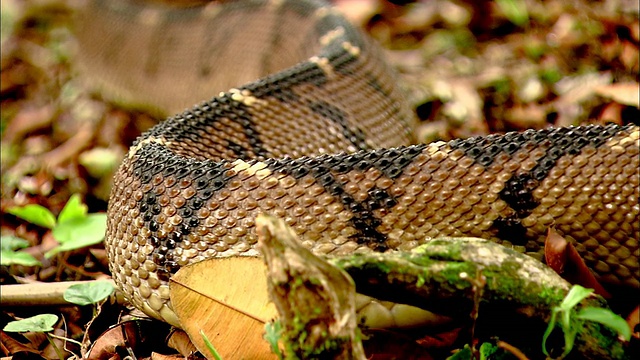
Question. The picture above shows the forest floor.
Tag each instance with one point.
(470, 67)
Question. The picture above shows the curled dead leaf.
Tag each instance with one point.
(180, 341)
(634, 322)
(555, 251)
(565, 260)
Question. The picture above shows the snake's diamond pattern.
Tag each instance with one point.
(301, 144)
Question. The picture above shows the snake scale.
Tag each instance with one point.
(320, 136)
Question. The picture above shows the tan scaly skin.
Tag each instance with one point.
(191, 187)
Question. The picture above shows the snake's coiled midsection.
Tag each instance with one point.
(302, 143)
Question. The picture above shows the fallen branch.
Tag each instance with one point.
(518, 292)
(512, 293)
(42, 294)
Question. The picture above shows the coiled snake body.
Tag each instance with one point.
(320, 140)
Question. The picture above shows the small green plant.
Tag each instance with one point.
(9, 254)
(89, 293)
(570, 320)
(486, 351)
(273, 333)
(40, 323)
(210, 347)
(35, 214)
(74, 228)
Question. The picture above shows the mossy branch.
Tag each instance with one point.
(518, 292)
(513, 293)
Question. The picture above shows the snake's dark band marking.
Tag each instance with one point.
(518, 191)
(208, 53)
(240, 114)
(342, 61)
(207, 115)
(511, 229)
(191, 187)
(280, 85)
(324, 169)
(206, 177)
(353, 134)
(297, 7)
(375, 84)
(328, 22)
(363, 221)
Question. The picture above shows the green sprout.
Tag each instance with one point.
(570, 321)
(73, 229)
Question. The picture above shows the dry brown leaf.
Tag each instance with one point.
(624, 93)
(441, 340)
(14, 346)
(56, 346)
(555, 251)
(139, 336)
(157, 356)
(180, 341)
(611, 112)
(226, 299)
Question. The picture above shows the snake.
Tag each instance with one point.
(311, 125)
